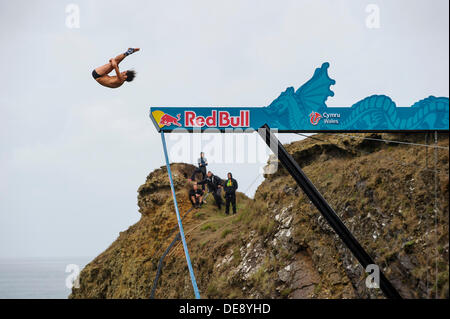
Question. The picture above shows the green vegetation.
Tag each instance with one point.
(199, 215)
(225, 232)
(285, 292)
(206, 227)
(261, 279)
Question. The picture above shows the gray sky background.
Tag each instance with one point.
(72, 153)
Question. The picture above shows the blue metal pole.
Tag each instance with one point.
(180, 225)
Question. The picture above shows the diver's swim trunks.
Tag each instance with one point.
(95, 75)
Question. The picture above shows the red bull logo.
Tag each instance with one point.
(167, 120)
(314, 118)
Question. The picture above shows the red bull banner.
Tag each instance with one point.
(305, 110)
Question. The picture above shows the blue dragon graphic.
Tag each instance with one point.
(291, 108)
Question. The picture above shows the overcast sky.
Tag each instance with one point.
(73, 153)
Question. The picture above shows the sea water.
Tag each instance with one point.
(38, 278)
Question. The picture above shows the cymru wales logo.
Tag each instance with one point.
(314, 118)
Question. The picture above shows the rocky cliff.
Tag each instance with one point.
(278, 245)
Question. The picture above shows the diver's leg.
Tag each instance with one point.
(107, 68)
(104, 69)
(122, 56)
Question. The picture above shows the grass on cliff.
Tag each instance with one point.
(211, 233)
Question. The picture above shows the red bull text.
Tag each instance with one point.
(217, 119)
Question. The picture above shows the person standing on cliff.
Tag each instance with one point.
(214, 186)
(100, 74)
(202, 163)
(230, 186)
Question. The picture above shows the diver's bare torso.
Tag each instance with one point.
(110, 81)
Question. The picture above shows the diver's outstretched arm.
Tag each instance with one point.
(116, 68)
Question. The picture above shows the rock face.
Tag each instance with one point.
(126, 268)
(278, 245)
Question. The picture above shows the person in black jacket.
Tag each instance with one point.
(214, 186)
(230, 186)
(196, 196)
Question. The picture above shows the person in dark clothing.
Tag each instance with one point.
(202, 163)
(196, 196)
(214, 186)
(230, 186)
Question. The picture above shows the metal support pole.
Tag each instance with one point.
(324, 208)
(180, 225)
